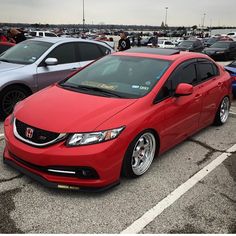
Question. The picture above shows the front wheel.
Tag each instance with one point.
(139, 155)
(8, 99)
(222, 114)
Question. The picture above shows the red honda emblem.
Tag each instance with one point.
(29, 132)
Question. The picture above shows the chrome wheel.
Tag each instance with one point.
(143, 153)
(224, 110)
(10, 99)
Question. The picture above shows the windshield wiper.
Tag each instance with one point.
(4, 60)
(89, 88)
(100, 90)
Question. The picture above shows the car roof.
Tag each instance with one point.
(164, 54)
(55, 40)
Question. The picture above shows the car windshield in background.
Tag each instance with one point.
(220, 45)
(212, 40)
(119, 76)
(26, 52)
(186, 44)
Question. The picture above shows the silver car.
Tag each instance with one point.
(37, 63)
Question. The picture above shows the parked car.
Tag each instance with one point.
(213, 40)
(41, 34)
(231, 68)
(222, 50)
(232, 35)
(37, 63)
(191, 46)
(5, 45)
(165, 44)
(115, 116)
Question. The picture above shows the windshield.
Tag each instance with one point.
(121, 76)
(220, 45)
(26, 52)
(212, 40)
(186, 44)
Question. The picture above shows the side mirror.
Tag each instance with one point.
(184, 89)
(51, 61)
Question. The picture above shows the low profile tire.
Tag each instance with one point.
(140, 154)
(222, 113)
(9, 97)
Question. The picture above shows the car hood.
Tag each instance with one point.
(5, 66)
(63, 111)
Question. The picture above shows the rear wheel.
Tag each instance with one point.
(9, 97)
(139, 155)
(222, 112)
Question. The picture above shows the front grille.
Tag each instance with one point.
(35, 136)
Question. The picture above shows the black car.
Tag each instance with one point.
(222, 50)
(191, 46)
(213, 40)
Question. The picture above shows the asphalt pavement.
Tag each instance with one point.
(209, 206)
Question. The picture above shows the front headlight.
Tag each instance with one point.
(81, 139)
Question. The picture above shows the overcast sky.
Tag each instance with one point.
(140, 12)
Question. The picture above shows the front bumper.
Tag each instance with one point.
(105, 159)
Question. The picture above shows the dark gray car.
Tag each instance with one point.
(37, 63)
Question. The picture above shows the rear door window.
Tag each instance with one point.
(89, 51)
(207, 70)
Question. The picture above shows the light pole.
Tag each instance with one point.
(166, 16)
(83, 17)
(203, 21)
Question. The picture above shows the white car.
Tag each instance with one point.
(166, 44)
(42, 34)
(232, 35)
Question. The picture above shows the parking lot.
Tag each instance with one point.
(158, 202)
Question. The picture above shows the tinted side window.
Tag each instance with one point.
(40, 34)
(104, 50)
(64, 53)
(32, 33)
(206, 71)
(185, 73)
(50, 35)
(89, 51)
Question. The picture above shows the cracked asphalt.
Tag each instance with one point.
(209, 207)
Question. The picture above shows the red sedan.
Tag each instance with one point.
(114, 116)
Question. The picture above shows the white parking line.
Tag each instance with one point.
(233, 113)
(150, 215)
(2, 135)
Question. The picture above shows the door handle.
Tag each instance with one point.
(198, 96)
(74, 69)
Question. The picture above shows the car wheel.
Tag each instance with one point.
(222, 113)
(139, 155)
(8, 99)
